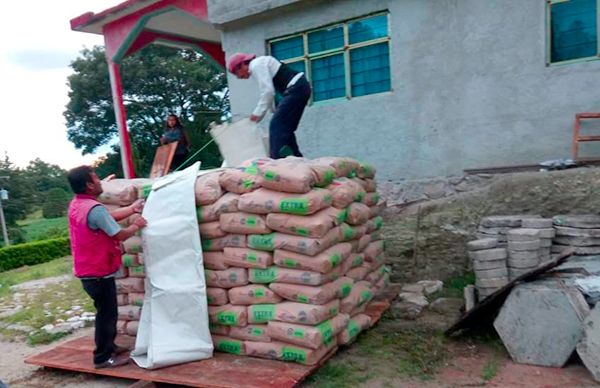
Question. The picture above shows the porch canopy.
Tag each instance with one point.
(132, 25)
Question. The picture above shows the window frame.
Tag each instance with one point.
(549, 4)
(345, 50)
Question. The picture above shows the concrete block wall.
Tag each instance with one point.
(470, 85)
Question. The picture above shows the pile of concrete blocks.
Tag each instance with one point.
(497, 227)
(523, 251)
(489, 264)
(546, 233)
(580, 232)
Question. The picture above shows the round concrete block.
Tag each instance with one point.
(588, 348)
(523, 255)
(523, 234)
(545, 259)
(540, 323)
(577, 241)
(488, 254)
(576, 232)
(513, 221)
(490, 264)
(546, 233)
(524, 245)
(483, 229)
(523, 263)
(500, 237)
(491, 273)
(555, 248)
(536, 223)
(580, 251)
(514, 273)
(492, 282)
(544, 251)
(545, 242)
(590, 221)
(484, 243)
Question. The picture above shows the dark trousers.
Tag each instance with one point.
(282, 139)
(178, 160)
(104, 293)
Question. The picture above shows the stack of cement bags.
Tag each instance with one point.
(291, 255)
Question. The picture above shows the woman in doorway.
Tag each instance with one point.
(174, 132)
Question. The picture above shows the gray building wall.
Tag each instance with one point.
(470, 86)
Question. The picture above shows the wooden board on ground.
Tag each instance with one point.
(221, 371)
(162, 160)
(484, 313)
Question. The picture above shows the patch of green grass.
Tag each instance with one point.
(490, 369)
(40, 337)
(43, 228)
(453, 288)
(335, 375)
(39, 271)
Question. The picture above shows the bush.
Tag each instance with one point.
(55, 203)
(33, 253)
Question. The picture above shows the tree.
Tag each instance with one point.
(21, 197)
(43, 176)
(56, 203)
(156, 80)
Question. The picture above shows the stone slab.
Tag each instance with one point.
(483, 243)
(588, 348)
(589, 221)
(431, 286)
(488, 254)
(541, 323)
(469, 294)
(513, 221)
(514, 273)
(493, 231)
(545, 242)
(581, 251)
(536, 223)
(544, 251)
(546, 233)
(500, 237)
(522, 234)
(490, 264)
(523, 255)
(577, 241)
(525, 245)
(523, 264)
(491, 273)
(576, 232)
(492, 282)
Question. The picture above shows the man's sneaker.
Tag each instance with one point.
(112, 363)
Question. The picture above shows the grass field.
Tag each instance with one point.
(55, 267)
(42, 228)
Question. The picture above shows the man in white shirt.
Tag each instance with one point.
(273, 75)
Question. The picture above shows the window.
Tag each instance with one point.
(573, 30)
(343, 60)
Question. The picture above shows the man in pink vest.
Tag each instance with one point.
(95, 244)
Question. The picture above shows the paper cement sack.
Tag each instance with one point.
(132, 328)
(136, 298)
(228, 345)
(286, 176)
(345, 191)
(216, 296)
(303, 245)
(229, 240)
(229, 278)
(286, 352)
(129, 313)
(133, 245)
(360, 294)
(358, 273)
(292, 312)
(228, 315)
(207, 188)
(211, 230)
(358, 213)
(294, 276)
(264, 201)
(228, 203)
(129, 285)
(315, 225)
(122, 299)
(343, 166)
(356, 324)
(255, 333)
(322, 262)
(305, 294)
(374, 249)
(247, 258)
(311, 337)
(120, 192)
(244, 223)
(215, 328)
(238, 180)
(252, 294)
(215, 260)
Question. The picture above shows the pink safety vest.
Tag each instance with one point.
(95, 254)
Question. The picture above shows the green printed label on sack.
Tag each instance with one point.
(302, 231)
(257, 331)
(294, 206)
(357, 261)
(293, 354)
(360, 197)
(326, 332)
(206, 244)
(328, 177)
(127, 260)
(378, 221)
(348, 233)
(259, 293)
(146, 189)
(251, 257)
(262, 313)
(138, 302)
(135, 249)
(376, 197)
(268, 275)
(263, 242)
(270, 175)
(335, 259)
(290, 263)
(199, 213)
(297, 333)
(210, 299)
(353, 328)
(137, 270)
(247, 183)
(333, 311)
(251, 221)
(328, 199)
(345, 289)
(252, 170)
(302, 298)
(228, 346)
(228, 318)
(342, 215)
(365, 296)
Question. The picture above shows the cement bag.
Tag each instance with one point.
(315, 225)
(374, 249)
(228, 315)
(138, 271)
(228, 345)
(365, 170)
(363, 243)
(129, 313)
(311, 337)
(218, 244)
(356, 325)
(255, 333)
(132, 328)
(228, 203)
(229, 278)
(382, 283)
(121, 327)
(284, 275)
(264, 201)
(239, 141)
(123, 272)
(342, 286)
(358, 213)
(130, 260)
(244, 223)
(374, 224)
(216, 296)
(248, 258)
(136, 298)
(322, 262)
(133, 245)
(345, 191)
(219, 329)
(215, 261)
(366, 183)
(211, 230)
(322, 173)
(304, 245)
(127, 285)
(288, 177)
(121, 299)
(371, 199)
(285, 352)
(252, 294)
(343, 166)
(354, 260)
(305, 294)
(352, 232)
(358, 273)
(306, 314)
(237, 180)
(377, 209)
(207, 188)
(360, 294)
(121, 192)
(374, 276)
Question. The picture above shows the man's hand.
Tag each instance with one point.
(254, 118)
(140, 222)
(138, 206)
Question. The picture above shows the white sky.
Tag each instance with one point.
(36, 49)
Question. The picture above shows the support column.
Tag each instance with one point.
(121, 118)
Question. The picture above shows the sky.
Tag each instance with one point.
(37, 47)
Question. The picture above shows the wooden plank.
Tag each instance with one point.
(162, 160)
(484, 313)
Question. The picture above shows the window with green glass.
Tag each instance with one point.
(343, 60)
(573, 29)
